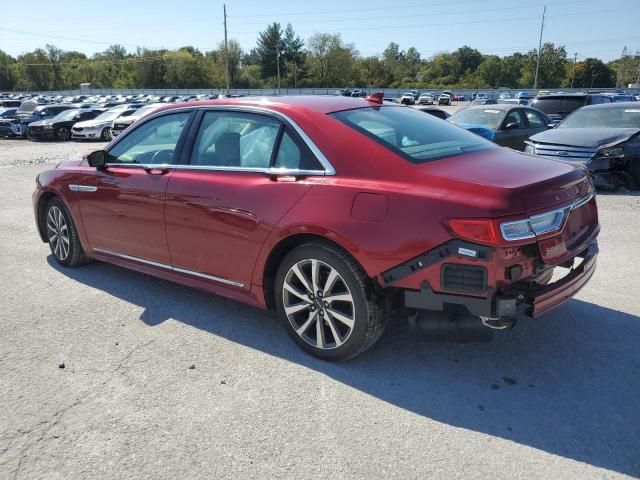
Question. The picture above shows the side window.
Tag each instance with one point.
(235, 139)
(535, 120)
(154, 142)
(514, 116)
(293, 156)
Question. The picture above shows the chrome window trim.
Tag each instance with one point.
(561, 214)
(169, 267)
(324, 161)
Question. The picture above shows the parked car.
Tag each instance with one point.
(99, 128)
(481, 96)
(511, 125)
(484, 101)
(504, 95)
(559, 106)
(605, 138)
(459, 98)
(445, 98)
(358, 93)
(8, 112)
(204, 195)
(6, 102)
(436, 112)
(416, 94)
(120, 123)
(426, 99)
(28, 112)
(59, 127)
(407, 99)
(622, 97)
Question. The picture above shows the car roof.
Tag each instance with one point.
(497, 106)
(612, 106)
(316, 103)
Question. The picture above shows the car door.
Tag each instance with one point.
(221, 207)
(122, 204)
(513, 130)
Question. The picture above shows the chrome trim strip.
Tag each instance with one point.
(561, 214)
(169, 267)
(269, 171)
(324, 161)
(82, 188)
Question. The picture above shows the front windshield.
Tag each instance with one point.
(412, 134)
(603, 118)
(108, 116)
(488, 117)
(66, 115)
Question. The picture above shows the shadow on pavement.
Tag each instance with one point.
(567, 384)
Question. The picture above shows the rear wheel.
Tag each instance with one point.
(326, 302)
(63, 236)
(63, 134)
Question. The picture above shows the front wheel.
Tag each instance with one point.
(63, 236)
(326, 302)
(63, 134)
(106, 134)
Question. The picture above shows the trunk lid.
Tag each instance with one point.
(540, 184)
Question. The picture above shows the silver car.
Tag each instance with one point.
(100, 127)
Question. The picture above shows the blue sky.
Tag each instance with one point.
(587, 27)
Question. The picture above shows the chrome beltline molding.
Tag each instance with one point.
(169, 267)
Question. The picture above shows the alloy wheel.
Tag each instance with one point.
(63, 134)
(58, 233)
(318, 304)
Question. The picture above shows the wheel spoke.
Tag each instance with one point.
(53, 237)
(319, 333)
(334, 331)
(341, 317)
(51, 226)
(64, 239)
(339, 297)
(301, 295)
(314, 276)
(305, 326)
(53, 218)
(331, 280)
(301, 276)
(296, 308)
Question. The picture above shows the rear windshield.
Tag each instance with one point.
(412, 134)
(488, 117)
(560, 105)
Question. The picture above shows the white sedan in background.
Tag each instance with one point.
(99, 128)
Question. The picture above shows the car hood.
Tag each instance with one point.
(129, 119)
(533, 182)
(91, 123)
(40, 123)
(585, 137)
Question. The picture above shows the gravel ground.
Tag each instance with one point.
(162, 381)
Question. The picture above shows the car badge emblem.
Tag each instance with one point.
(562, 154)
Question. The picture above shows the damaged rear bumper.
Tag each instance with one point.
(525, 297)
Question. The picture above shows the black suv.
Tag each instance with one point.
(559, 105)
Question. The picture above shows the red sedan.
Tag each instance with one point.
(333, 211)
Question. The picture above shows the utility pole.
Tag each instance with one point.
(278, 63)
(226, 48)
(573, 72)
(535, 82)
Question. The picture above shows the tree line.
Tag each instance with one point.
(324, 60)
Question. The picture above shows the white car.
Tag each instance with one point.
(407, 99)
(120, 123)
(100, 127)
(425, 99)
(481, 96)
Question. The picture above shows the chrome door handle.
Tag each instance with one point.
(82, 188)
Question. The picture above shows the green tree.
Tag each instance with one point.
(330, 62)
(7, 76)
(553, 61)
(591, 73)
(270, 43)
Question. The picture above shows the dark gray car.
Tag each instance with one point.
(511, 124)
(605, 138)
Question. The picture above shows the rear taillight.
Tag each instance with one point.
(481, 230)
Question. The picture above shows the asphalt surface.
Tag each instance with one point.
(165, 382)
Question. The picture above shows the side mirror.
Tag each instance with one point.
(511, 126)
(43, 113)
(97, 159)
(551, 125)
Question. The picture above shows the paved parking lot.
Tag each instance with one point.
(162, 381)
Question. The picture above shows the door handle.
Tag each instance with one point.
(156, 170)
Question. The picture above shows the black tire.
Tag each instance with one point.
(63, 134)
(105, 135)
(368, 313)
(74, 254)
